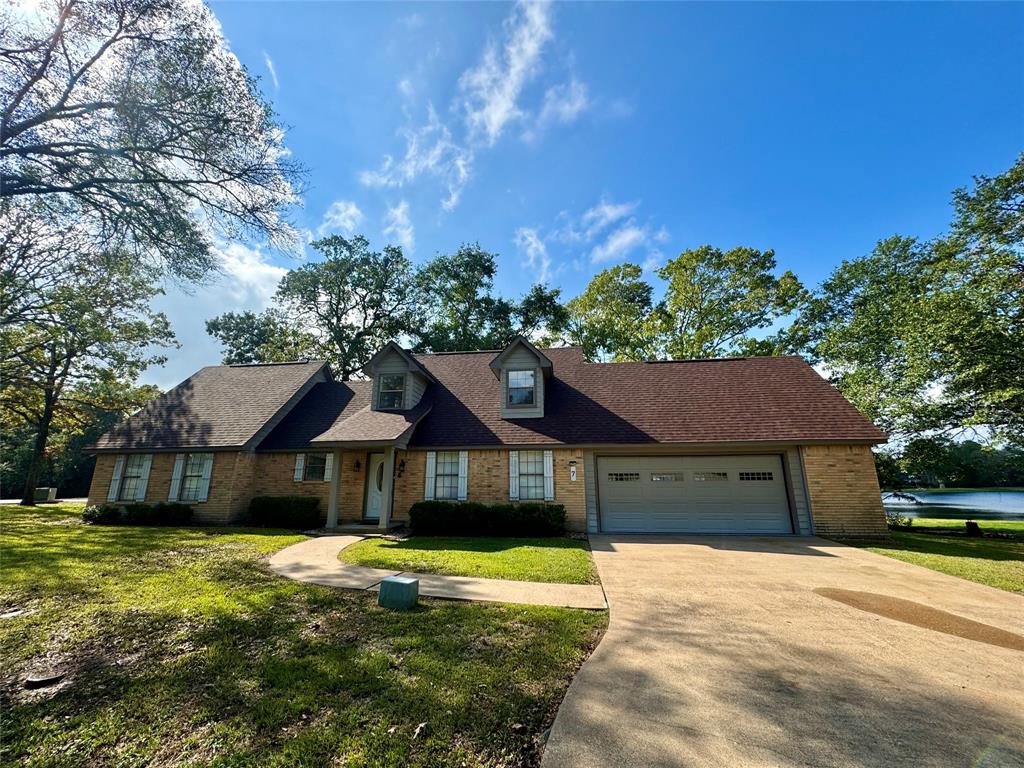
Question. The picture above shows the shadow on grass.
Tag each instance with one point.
(937, 544)
(483, 544)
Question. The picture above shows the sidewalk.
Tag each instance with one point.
(316, 561)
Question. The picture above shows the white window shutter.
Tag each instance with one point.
(513, 475)
(300, 466)
(140, 489)
(549, 476)
(329, 468)
(115, 479)
(463, 474)
(204, 488)
(179, 470)
(428, 485)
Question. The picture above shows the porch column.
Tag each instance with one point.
(387, 492)
(332, 500)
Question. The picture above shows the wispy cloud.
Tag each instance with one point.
(398, 226)
(619, 243)
(529, 242)
(270, 68)
(605, 213)
(488, 100)
(491, 89)
(342, 216)
(429, 149)
(411, 21)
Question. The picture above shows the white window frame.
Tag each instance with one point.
(446, 475)
(179, 476)
(134, 470)
(307, 464)
(381, 391)
(196, 462)
(509, 388)
(536, 460)
(433, 472)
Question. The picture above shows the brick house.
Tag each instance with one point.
(758, 445)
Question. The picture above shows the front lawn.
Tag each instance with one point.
(555, 559)
(181, 647)
(997, 562)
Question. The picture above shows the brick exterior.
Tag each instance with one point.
(843, 489)
(488, 482)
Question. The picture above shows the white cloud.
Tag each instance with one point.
(491, 89)
(528, 241)
(270, 67)
(562, 104)
(399, 226)
(342, 216)
(595, 219)
(428, 149)
(247, 281)
(411, 21)
(619, 243)
(405, 87)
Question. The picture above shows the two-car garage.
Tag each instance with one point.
(693, 494)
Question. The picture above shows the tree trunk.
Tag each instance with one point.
(35, 465)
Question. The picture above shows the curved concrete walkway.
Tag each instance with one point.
(316, 561)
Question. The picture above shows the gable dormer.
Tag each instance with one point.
(398, 379)
(522, 370)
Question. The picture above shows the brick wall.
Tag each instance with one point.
(843, 489)
(230, 484)
(487, 482)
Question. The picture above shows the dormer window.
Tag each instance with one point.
(391, 392)
(522, 388)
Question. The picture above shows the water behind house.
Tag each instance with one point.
(962, 503)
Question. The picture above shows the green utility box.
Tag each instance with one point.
(399, 593)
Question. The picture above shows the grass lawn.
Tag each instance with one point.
(181, 647)
(996, 562)
(558, 559)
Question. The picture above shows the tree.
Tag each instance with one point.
(267, 337)
(716, 298)
(83, 353)
(134, 116)
(614, 317)
(929, 337)
(462, 312)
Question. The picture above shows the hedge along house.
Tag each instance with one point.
(758, 445)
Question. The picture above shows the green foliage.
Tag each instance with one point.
(890, 473)
(927, 337)
(613, 317)
(267, 337)
(103, 514)
(297, 512)
(134, 122)
(716, 298)
(714, 303)
(467, 518)
(933, 461)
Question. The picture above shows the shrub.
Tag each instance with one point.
(103, 514)
(468, 518)
(894, 518)
(161, 513)
(300, 512)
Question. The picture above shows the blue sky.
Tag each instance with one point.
(571, 137)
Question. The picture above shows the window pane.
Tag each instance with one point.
(446, 475)
(519, 396)
(315, 467)
(446, 487)
(448, 463)
(531, 462)
(531, 474)
(190, 487)
(389, 400)
(531, 487)
(131, 477)
(129, 485)
(520, 378)
(392, 383)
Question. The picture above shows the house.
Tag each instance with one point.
(759, 445)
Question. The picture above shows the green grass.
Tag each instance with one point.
(182, 648)
(995, 562)
(560, 560)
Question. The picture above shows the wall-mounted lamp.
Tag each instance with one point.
(401, 467)
(356, 465)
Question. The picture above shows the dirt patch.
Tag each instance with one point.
(921, 615)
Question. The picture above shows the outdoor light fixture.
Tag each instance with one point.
(401, 467)
(356, 467)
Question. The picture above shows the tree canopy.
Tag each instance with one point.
(132, 118)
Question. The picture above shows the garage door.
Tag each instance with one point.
(693, 494)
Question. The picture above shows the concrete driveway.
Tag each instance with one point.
(721, 653)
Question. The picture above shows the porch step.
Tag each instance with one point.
(361, 529)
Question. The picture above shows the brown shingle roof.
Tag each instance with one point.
(339, 411)
(737, 400)
(220, 406)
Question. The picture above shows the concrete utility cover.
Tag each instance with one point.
(719, 653)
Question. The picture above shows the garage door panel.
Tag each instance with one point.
(693, 494)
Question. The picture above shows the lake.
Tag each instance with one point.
(964, 503)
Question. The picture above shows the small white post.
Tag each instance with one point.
(332, 500)
(387, 492)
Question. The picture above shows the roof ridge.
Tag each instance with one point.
(303, 361)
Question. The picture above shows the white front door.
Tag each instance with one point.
(374, 486)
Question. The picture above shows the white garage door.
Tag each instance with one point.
(693, 494)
